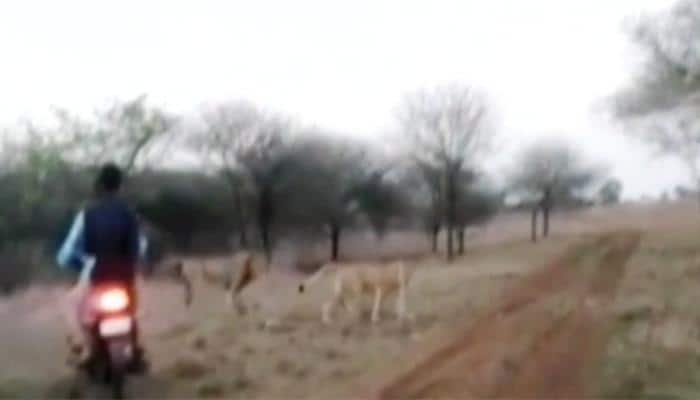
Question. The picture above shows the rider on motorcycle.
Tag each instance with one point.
(108, 231)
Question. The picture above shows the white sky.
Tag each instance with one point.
(342, 65)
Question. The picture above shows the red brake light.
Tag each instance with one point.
(113, 300)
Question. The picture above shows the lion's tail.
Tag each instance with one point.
(244, 275)
(180, 275)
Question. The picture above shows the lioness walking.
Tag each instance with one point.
(358, 278)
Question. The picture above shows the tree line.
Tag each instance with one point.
(660, 104)
(262, 175)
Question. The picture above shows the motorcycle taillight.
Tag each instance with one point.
(113, 300)
(115, 326)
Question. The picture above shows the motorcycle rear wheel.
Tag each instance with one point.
(118, 376)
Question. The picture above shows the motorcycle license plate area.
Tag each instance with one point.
(115, 326)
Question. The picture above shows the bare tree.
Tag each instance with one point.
(547, 173)
(434, 205)
(446, 130)
(229, 131)
(250, 148)
(265, 167)
(475, 203)
(47, 161)
(123, 133)
(678, 136)
(670, 76)
(333, 182)
(341, 173)
(664, 98)
(420, 187)
(34, 171)
(476, 206)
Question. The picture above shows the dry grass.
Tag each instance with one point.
(654, 349)
(231, 356)
(300, 357)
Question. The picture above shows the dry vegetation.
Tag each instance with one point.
(654, 347)
(208, 351)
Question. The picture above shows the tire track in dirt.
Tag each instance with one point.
(490, 331)
(538, 343)
(559, 367)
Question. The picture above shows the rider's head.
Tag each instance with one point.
(109, 179)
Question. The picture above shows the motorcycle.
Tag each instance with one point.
(107, 317)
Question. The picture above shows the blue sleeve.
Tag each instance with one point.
(72, 250)
(143, 248)
(137, 241)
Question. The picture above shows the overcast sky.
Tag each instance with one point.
(341, 65)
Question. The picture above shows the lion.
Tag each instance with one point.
(251, 267)
(358, 278)
(233, 275)
(175, 270)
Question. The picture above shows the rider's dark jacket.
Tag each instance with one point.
(108, 231)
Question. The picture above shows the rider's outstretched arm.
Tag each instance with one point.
(138, 243)
(72, 249)
(143, 248)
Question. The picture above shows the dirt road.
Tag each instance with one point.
(543, 341)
